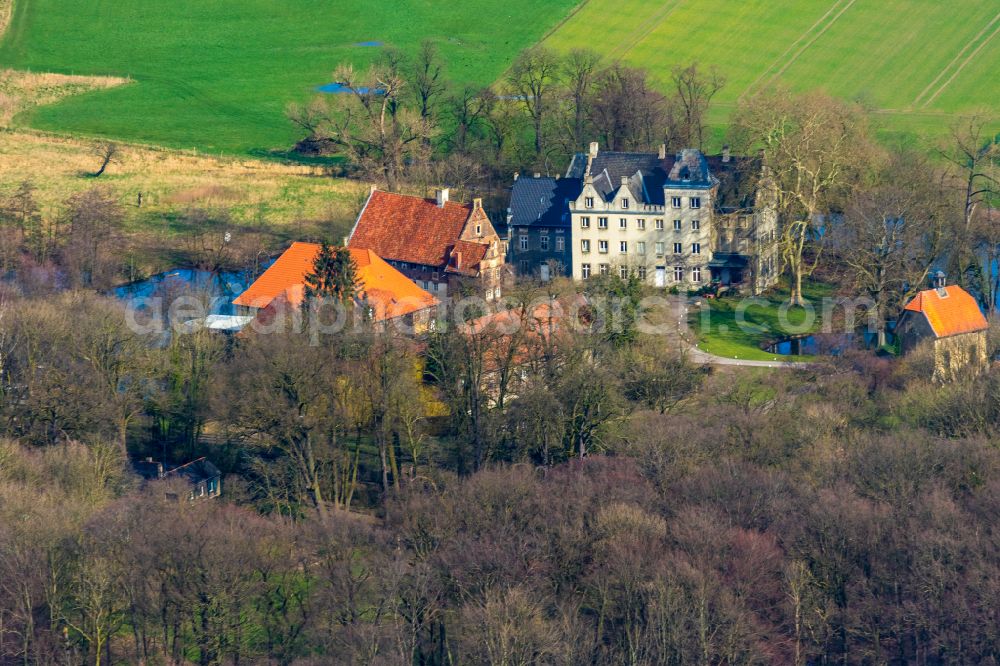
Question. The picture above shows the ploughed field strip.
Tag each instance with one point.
(912, 61)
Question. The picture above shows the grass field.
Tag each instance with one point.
(284, 202)
(218, 74)
(915, 61)
(728, 327)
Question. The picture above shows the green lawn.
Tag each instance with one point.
(218, 74)
(915, 61)
(736, 328)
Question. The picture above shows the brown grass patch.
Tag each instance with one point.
(22, 90)
(204, 194)
(6, 9)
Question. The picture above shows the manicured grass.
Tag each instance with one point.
(217, 75)
(736, 328)
(915, 61)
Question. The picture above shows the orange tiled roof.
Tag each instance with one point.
(386, 290)
(951, 314)
(398, 227)
(472, 254)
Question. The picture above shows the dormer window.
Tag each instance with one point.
(624, 203)
(588, 202)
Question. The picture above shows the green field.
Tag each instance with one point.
(916, 61)
(218, 74)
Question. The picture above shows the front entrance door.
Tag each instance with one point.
(661, 276)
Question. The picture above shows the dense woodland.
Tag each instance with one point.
(483, 496)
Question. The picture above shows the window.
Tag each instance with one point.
(584, 245)
(524, 242)
(695, 248)
(695, 202)
(585, 271)
(659, 225)
(625, 203)
(560, 244)
(602, 246)
(602, 223)
(640, 247)
(678, 248)
(589, 202)
(479, 230)
(623, 223)
(623, 272)
(522, 266)
(696, 274)
(659, 248)
(604, 269)
(544, 242)
(584, 222)
(642, 272)
(640, 223)
(434, 277)
(675, 202)
(696, 224)
(623, 247)
(677, 225)
(678, 274)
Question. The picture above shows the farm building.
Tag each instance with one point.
(949, 319)
(440, 244)
(383, 293)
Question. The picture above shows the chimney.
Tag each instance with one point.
(477, 203)
(624, 181)
(346, 238)
(939, 281)
(442, 197)
(557, 176)
(458, 260)
(538, 175)
(725, 153)
(593, 148)
(516, 174)
(663, 151)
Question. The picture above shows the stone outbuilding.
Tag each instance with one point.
(949, 319)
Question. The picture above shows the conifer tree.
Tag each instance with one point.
(333, 275)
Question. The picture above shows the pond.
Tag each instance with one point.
(339, 88)
(217, 289)
(811, 345)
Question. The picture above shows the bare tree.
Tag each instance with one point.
(974, 156)
(533, 78)
(626, 113)
(426, 75)
(107, 152)
(579, 68)
(892, 233)
(91, 222)
(370, 122)
(694, 89)
(813, 147)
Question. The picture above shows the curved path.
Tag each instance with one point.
(679, 314)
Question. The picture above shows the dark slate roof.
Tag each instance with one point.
(543, 202)
(648, 175)
(689, 169)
